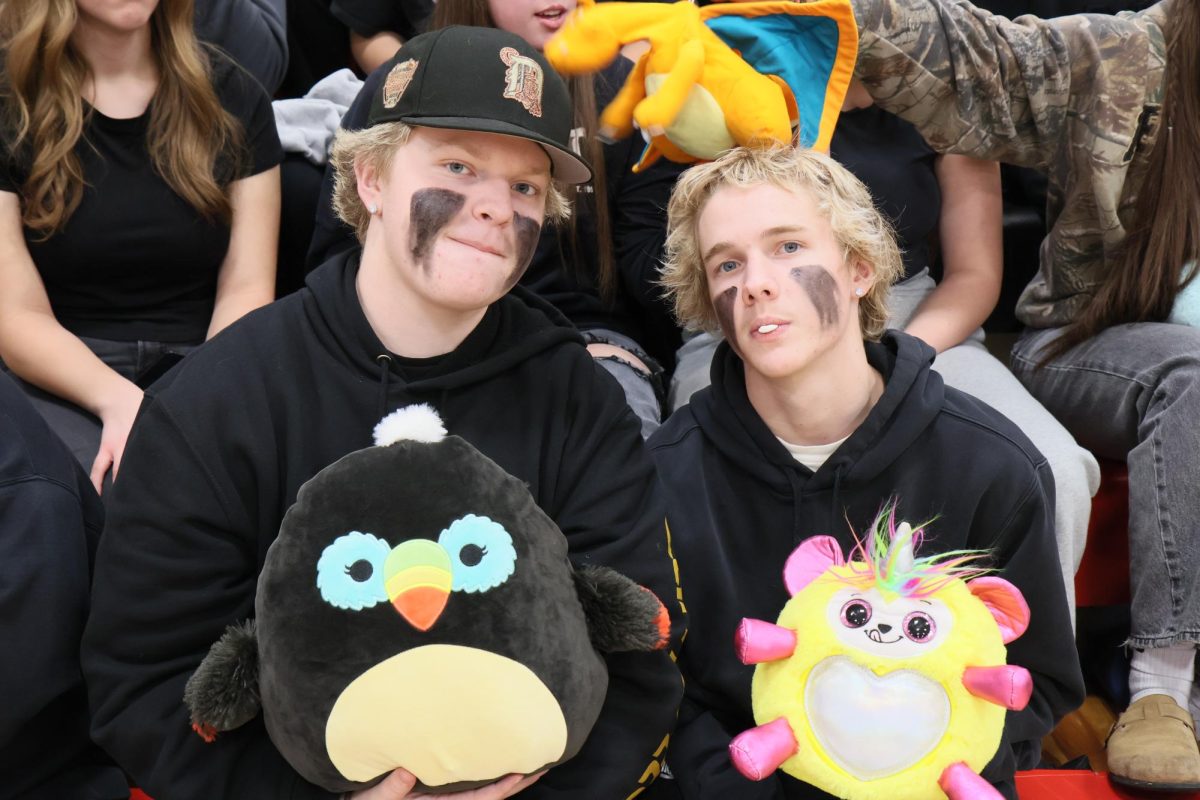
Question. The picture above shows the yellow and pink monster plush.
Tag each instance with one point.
(885, 676)
(717, 77)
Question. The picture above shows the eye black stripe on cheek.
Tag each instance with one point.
(528, 234)
(429, 212)
(822, 291)
(723, 305)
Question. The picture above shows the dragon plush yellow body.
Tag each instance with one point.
(885, 676)
(719, 76)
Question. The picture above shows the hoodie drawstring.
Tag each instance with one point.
(795, 484)
(833, 503)
(385, 372)
(833, 500)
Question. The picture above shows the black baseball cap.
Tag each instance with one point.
(481, 79)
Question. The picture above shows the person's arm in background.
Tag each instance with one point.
(37, 348)
(253, 32)
(371, 51)
(246, 279)
(982, 85)
(972, 250)
(379, 27)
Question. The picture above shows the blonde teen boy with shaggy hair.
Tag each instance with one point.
(815, 419)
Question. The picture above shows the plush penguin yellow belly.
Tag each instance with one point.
(419, 610)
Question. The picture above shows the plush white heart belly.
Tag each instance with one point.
(874, 726)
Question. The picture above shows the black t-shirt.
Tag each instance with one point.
(890, 157)
(136, 261)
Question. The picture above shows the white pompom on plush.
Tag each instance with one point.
(418, 423)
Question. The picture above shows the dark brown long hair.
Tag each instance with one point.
(41, 84)
(1165, 234)
(583, 100)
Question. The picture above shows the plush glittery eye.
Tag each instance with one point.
(350, 571)
(481, 553)
(856, 613)
(919, 626)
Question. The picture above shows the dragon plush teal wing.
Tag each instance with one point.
(810, 46)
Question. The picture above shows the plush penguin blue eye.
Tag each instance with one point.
(350, 571)
(481, 553)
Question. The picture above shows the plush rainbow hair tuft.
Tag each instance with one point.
(886, 559)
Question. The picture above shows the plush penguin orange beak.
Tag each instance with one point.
(418, 580)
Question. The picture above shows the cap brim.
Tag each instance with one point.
(565, 165)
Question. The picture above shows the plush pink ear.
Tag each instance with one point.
(1006, 604)
(810, 559)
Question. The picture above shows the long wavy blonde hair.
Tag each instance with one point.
(42, 90)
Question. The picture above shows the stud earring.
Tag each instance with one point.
(858, 291)
(372, 209)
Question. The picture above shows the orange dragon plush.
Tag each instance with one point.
(719, 76)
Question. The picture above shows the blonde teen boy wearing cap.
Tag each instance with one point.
(447, 188)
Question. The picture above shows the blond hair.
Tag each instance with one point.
(862, 232)
(42, 81)
(376, 146)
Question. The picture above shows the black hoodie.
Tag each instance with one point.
(739, 504)
(220, 450)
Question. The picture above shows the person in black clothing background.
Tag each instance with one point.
(811, 424)
(139, 203)
(50, 520)
(379, 27)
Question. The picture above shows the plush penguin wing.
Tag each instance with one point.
(621, 615)
(222, 693)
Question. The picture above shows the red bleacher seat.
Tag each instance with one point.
(1103, 576)
(1080, 784)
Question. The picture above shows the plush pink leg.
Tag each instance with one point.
(759, 751)
(757, 641)
(1006, 686)
(960, 783)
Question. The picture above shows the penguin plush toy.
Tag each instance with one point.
(418, 610)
